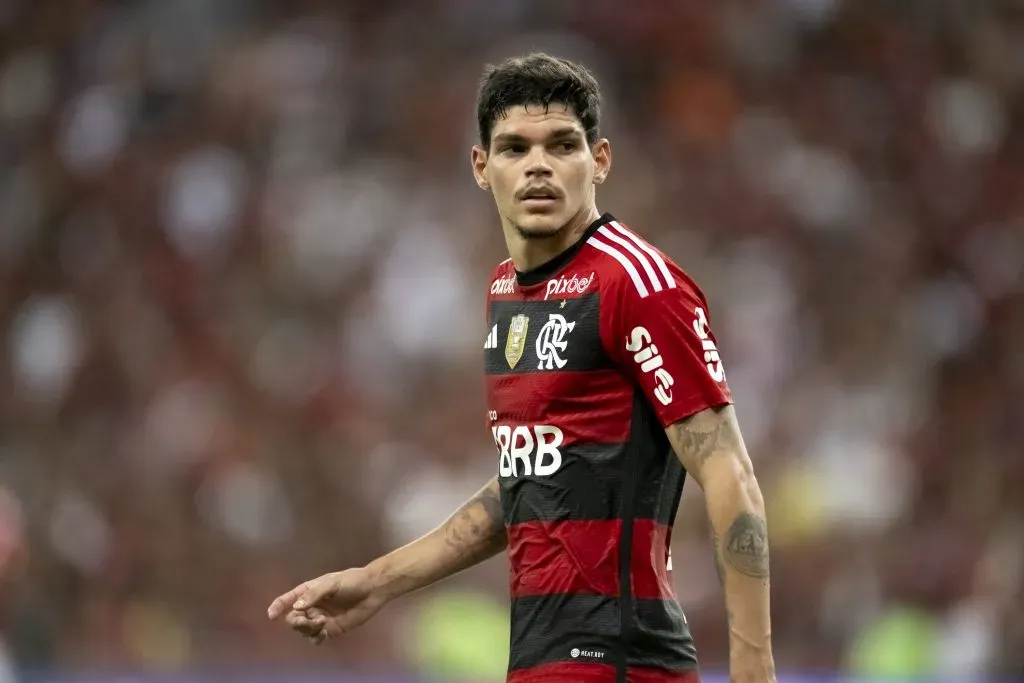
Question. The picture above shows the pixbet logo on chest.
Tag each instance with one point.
(571, 285)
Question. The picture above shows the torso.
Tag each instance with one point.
(589, 485)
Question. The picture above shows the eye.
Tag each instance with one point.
(514, 148)
(566, 146)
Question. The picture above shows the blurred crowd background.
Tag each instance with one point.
(242, 272)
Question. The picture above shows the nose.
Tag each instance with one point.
(537, 163)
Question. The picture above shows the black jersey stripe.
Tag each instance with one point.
(589, 486)
(659, 471)
(586, 487)
(548, 628)
(526, 331)
(644, 489)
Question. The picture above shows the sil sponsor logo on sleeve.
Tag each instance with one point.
(650, 360)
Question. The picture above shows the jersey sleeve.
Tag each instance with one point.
(663, 341)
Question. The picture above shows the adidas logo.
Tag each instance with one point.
(492, 339)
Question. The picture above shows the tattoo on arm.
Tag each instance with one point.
(742, 547)
(478, 527)
(746, 546)
(700, 436)
(473, 533)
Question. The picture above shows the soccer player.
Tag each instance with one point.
(605, 390)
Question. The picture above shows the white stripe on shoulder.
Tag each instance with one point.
(637, 254)
(505, 261)
(624, 262)
(655, 256)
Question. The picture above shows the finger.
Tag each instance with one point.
(295, 618)
(313, 616)
(305, 625)
(302, 596)
(311, 612)
(316, 615)
(283, 603)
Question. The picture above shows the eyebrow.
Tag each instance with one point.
(557, 134)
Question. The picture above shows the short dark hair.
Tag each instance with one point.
(538, 79)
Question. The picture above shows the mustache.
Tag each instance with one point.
(547, 190)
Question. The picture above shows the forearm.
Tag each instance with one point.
(473, 533)
(711, 448)
(736, 511)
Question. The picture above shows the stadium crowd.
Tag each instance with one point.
(242, 273)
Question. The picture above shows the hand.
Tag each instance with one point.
(330, 605)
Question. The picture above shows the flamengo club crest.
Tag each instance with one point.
(516, 343)
(551, 342)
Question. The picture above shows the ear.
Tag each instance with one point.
(478, 160)
(602, 153)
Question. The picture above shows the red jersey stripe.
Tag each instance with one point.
(573, 672)
(583, 557)
(593, 407)
(564, 672)
(643, 675)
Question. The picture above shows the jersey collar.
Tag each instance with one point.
(545, 271)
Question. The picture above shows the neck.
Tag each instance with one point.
(527, 254)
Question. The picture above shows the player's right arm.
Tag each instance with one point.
(338, 602)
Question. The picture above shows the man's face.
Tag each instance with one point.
(540, 168)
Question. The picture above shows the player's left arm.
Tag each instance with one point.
(710, 446)
(663, 340)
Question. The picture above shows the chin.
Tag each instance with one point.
(540, 226)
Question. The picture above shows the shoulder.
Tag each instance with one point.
(630, 264)
(503, 268)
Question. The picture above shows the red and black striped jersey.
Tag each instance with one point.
(588, 358)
